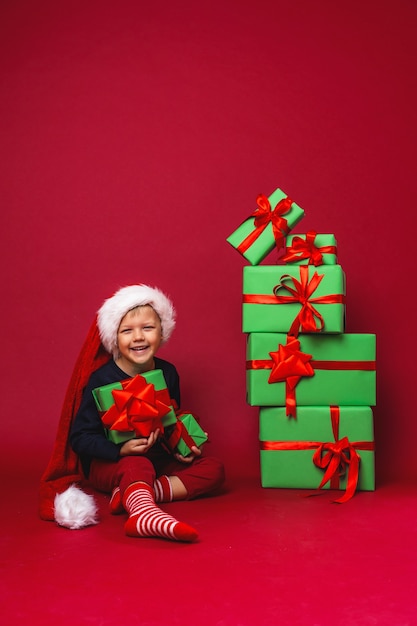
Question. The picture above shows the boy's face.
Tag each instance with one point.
(139, 337)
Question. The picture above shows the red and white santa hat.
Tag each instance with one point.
(60, 498)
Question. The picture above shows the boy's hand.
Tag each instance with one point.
(190, 457)
(140, 445)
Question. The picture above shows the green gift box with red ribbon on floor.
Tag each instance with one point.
(267, 227)
(311, 248)
(311, 370)
(135, 407)
(293, 299)
(326, 447)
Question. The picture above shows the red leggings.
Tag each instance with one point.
(200, 477)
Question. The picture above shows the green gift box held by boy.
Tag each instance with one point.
(134, 407)
(186, 434)
(140, 473)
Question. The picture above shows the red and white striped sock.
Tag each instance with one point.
(147, 520)
(163, 489)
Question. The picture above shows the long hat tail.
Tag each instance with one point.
(64, 468)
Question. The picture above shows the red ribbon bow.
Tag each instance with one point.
(306, 318)
(337, 458)
(137, 407)
(263, 215)
(340, 458)
(290, 365)
(306, 249)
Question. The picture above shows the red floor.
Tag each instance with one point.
(264, 557)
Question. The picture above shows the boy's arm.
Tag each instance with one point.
(87, 435)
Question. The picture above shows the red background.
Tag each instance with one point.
(136, 137)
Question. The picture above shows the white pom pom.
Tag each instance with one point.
(75, 509)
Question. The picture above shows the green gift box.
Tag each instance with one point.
(288, 446)
(267, 227)
(104, 400)
(187, 433)
(311, 248)
(294, 299)
(311, 370)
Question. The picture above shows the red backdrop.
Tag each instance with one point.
(136, 137)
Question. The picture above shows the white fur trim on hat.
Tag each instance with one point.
(75, 509)
(127, 298)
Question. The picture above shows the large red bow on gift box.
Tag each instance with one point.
(290, 365)
(340, 458)
(301, 249)
(137, 407)
(264, 215)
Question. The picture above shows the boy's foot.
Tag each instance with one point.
(147, 520)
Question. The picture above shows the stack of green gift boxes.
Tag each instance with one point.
(314, 384)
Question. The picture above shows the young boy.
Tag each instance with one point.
(139, 473)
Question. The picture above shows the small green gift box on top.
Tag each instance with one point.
(306, 299)
(143, 404)
(311, 248)
(311, 370)
(323, 439)
(267, 227)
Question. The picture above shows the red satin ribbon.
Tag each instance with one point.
(336, 458)
(306, 249)
(289, 365)
(368, 366)
(307, 316)
(137, 407)
(263, 216)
